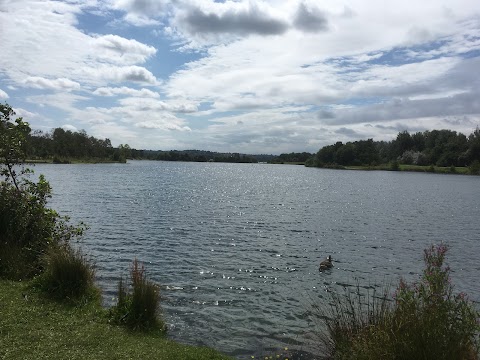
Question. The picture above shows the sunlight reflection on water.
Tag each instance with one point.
(236, 247)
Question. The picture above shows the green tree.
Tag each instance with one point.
(13, 142)
(27, 227)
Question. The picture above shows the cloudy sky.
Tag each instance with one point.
(242, 76)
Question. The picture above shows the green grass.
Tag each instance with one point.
(37, 328)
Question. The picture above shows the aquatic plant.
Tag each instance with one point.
(138, 302)
(425, 320)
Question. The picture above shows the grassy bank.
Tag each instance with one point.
(415, 168)
(32, 327)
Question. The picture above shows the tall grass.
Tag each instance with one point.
(424, 320)
(68, 275)
(138, 302)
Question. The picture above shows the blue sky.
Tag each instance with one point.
(241, 76)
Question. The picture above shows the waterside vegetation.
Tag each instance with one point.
(430, 151)
(33, 326)
(425, 320)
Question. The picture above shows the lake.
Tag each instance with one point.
(236, 247)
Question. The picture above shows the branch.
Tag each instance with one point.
(12, 174)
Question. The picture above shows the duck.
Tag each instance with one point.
(326, 264)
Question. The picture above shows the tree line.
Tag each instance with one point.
(436, 147)
(195, 156)
(62, 145)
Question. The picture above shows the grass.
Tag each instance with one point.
(68, 276)
(425, 320)
(34, 327)
(138, 302)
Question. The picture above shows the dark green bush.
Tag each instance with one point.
(138, 302)
(474, 168)
(68, 276)
(425, 320)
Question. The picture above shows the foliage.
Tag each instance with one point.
(292, 158)
(63, 145)
(27, 227)
(33, 327)
(474, 168)
(426, 320)
(138, 304)
(442, 148)
(394, 166)
(68, 276)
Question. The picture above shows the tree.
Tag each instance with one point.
(27, 227)
(13, 142)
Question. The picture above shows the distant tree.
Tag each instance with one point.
(345, 155)
(402, 143)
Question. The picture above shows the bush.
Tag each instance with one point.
(138, 304)
(394, 166)
(425, 320)
(68, 276)
(474, 168)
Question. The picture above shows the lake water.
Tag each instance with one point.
(236, 247)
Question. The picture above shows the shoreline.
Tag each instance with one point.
(34, 327)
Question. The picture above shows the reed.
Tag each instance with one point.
(138, 302)
(423, 320)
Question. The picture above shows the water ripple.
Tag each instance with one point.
(236, 247)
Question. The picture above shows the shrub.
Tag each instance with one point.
(425, 320)
(394, 166)
(28, 228)
(138, 304)
(68, 276)
(474, 168)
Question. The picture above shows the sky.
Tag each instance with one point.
(256, 77)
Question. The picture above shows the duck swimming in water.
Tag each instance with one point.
(326, 264)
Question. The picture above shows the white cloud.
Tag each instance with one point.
(162, 124)
(3, 94)
(110, 91)
(25, 114)
(242, 75)
(146, 104)
(56, 84)
(117, 49)
(40, 39)
(120, 74)
(69, 127)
